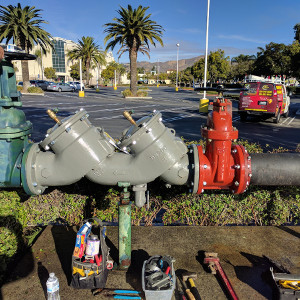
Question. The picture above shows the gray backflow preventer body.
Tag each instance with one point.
(74, 148)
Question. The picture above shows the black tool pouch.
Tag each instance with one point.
(86, 275)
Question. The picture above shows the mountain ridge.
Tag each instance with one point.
(167, 65)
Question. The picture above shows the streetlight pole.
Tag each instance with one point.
(81, 92)
(204, 101)
(177, 68)
(157, 73)
(115, 86)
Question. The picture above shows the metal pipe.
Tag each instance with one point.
(124, 227)
(124, 235)
(275, 169)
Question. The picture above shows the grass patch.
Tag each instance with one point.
(127, 93)
(141, 93)
(35, 90)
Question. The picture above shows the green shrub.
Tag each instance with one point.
(19, 88)
(35, 89)
(127, 93)
(141, 93)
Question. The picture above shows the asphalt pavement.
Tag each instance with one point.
(180, 111)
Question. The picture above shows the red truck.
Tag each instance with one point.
(265, 99)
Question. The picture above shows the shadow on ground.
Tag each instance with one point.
(64, 239)
(12, 230)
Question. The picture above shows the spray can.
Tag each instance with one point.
(81, 239)
(93, 245)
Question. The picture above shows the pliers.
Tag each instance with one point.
(117, 294)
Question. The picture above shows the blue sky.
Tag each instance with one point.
(236, 26)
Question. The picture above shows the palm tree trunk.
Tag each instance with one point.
(87, 72)
(25, 75)
(42, 66)
(133, 66)
(25, 68)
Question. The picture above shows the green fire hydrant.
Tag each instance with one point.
(14, 129)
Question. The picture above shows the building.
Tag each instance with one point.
(58, 60)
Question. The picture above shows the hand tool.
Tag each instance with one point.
(188, 276)
(113, 292)
(98, 259)
(214, 265)
(116, 296)
(189, 294)
(180, 292)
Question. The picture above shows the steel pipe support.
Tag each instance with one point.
(124, 235)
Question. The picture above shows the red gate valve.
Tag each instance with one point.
(223, 165)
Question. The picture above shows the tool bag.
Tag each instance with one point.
(87, 274)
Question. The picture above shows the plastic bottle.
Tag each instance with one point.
(52, 287)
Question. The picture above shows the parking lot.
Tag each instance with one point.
(180, 110)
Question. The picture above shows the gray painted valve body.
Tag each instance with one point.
(75, 148)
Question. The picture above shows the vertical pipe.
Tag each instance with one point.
(206, 47)
(124, 235)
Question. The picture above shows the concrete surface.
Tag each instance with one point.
(241, 250)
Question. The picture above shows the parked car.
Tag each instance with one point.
(32, 83)
(60, 87)
(42, 84)
(262, 98)
(76, 85)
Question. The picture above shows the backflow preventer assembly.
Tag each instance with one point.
(74, 148)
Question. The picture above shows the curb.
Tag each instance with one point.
(138, 97)
(34, 94)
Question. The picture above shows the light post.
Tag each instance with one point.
(204, 101)
(157, 74)
(81, 92)
(177, 68)
(98, 67)
(115, 85)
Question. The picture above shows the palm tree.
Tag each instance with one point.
(134, 31)
(89, 52)
(23, 26)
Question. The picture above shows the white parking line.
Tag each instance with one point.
(290, 121)
(69, 108)
(180, 117)
(121, 108)
(137, 114)
(285, 120)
